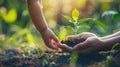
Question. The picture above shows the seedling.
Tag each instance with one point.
(78, 26)
(74, 20)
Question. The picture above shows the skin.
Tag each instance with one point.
(36, 13)
(92, 43)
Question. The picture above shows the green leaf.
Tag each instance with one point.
(84, 20)
(67, 17)
(104, 26)
(11, 16)
(62, 34)
(114, 46)
(75, 14)
(83, 28)
(115, 17)
(69, 27)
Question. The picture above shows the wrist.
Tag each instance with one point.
(44, 30)
(109, 42)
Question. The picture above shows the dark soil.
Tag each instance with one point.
(72, 42)
(12, 58)
(38, 58)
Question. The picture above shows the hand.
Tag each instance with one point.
(84, 35)
(92, 43)
(50, 39)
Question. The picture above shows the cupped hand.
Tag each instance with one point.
(91, 44)
(50, 39)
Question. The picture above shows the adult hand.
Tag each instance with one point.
(92, 43)
(50, 39)
(84, 35)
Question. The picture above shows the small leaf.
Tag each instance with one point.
(114, 46)
(62, 34)
(11, 16)
(75, 14)
(67, 17)
(69, 27)
(84, 20)
(104, 26)
(83, 28)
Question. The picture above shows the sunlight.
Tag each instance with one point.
(52, 24)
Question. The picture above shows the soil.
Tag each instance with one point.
(72, 42)
(14, 58)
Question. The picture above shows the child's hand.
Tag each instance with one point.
(50, 39)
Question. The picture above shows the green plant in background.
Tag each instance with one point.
(111, 18)
(10, 17)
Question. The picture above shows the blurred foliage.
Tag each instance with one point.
(17, 29)
(10, 17)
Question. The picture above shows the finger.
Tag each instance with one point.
(65, 47)
(49, 43)
(54, 38)
(81, 46)
(53, 46)
(73, 37)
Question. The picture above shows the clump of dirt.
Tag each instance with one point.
(73, 42)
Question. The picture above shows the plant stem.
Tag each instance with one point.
(74, 55)
(76, 27)
(0, 27)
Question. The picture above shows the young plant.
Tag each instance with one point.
(78, 26)
(74, 20)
